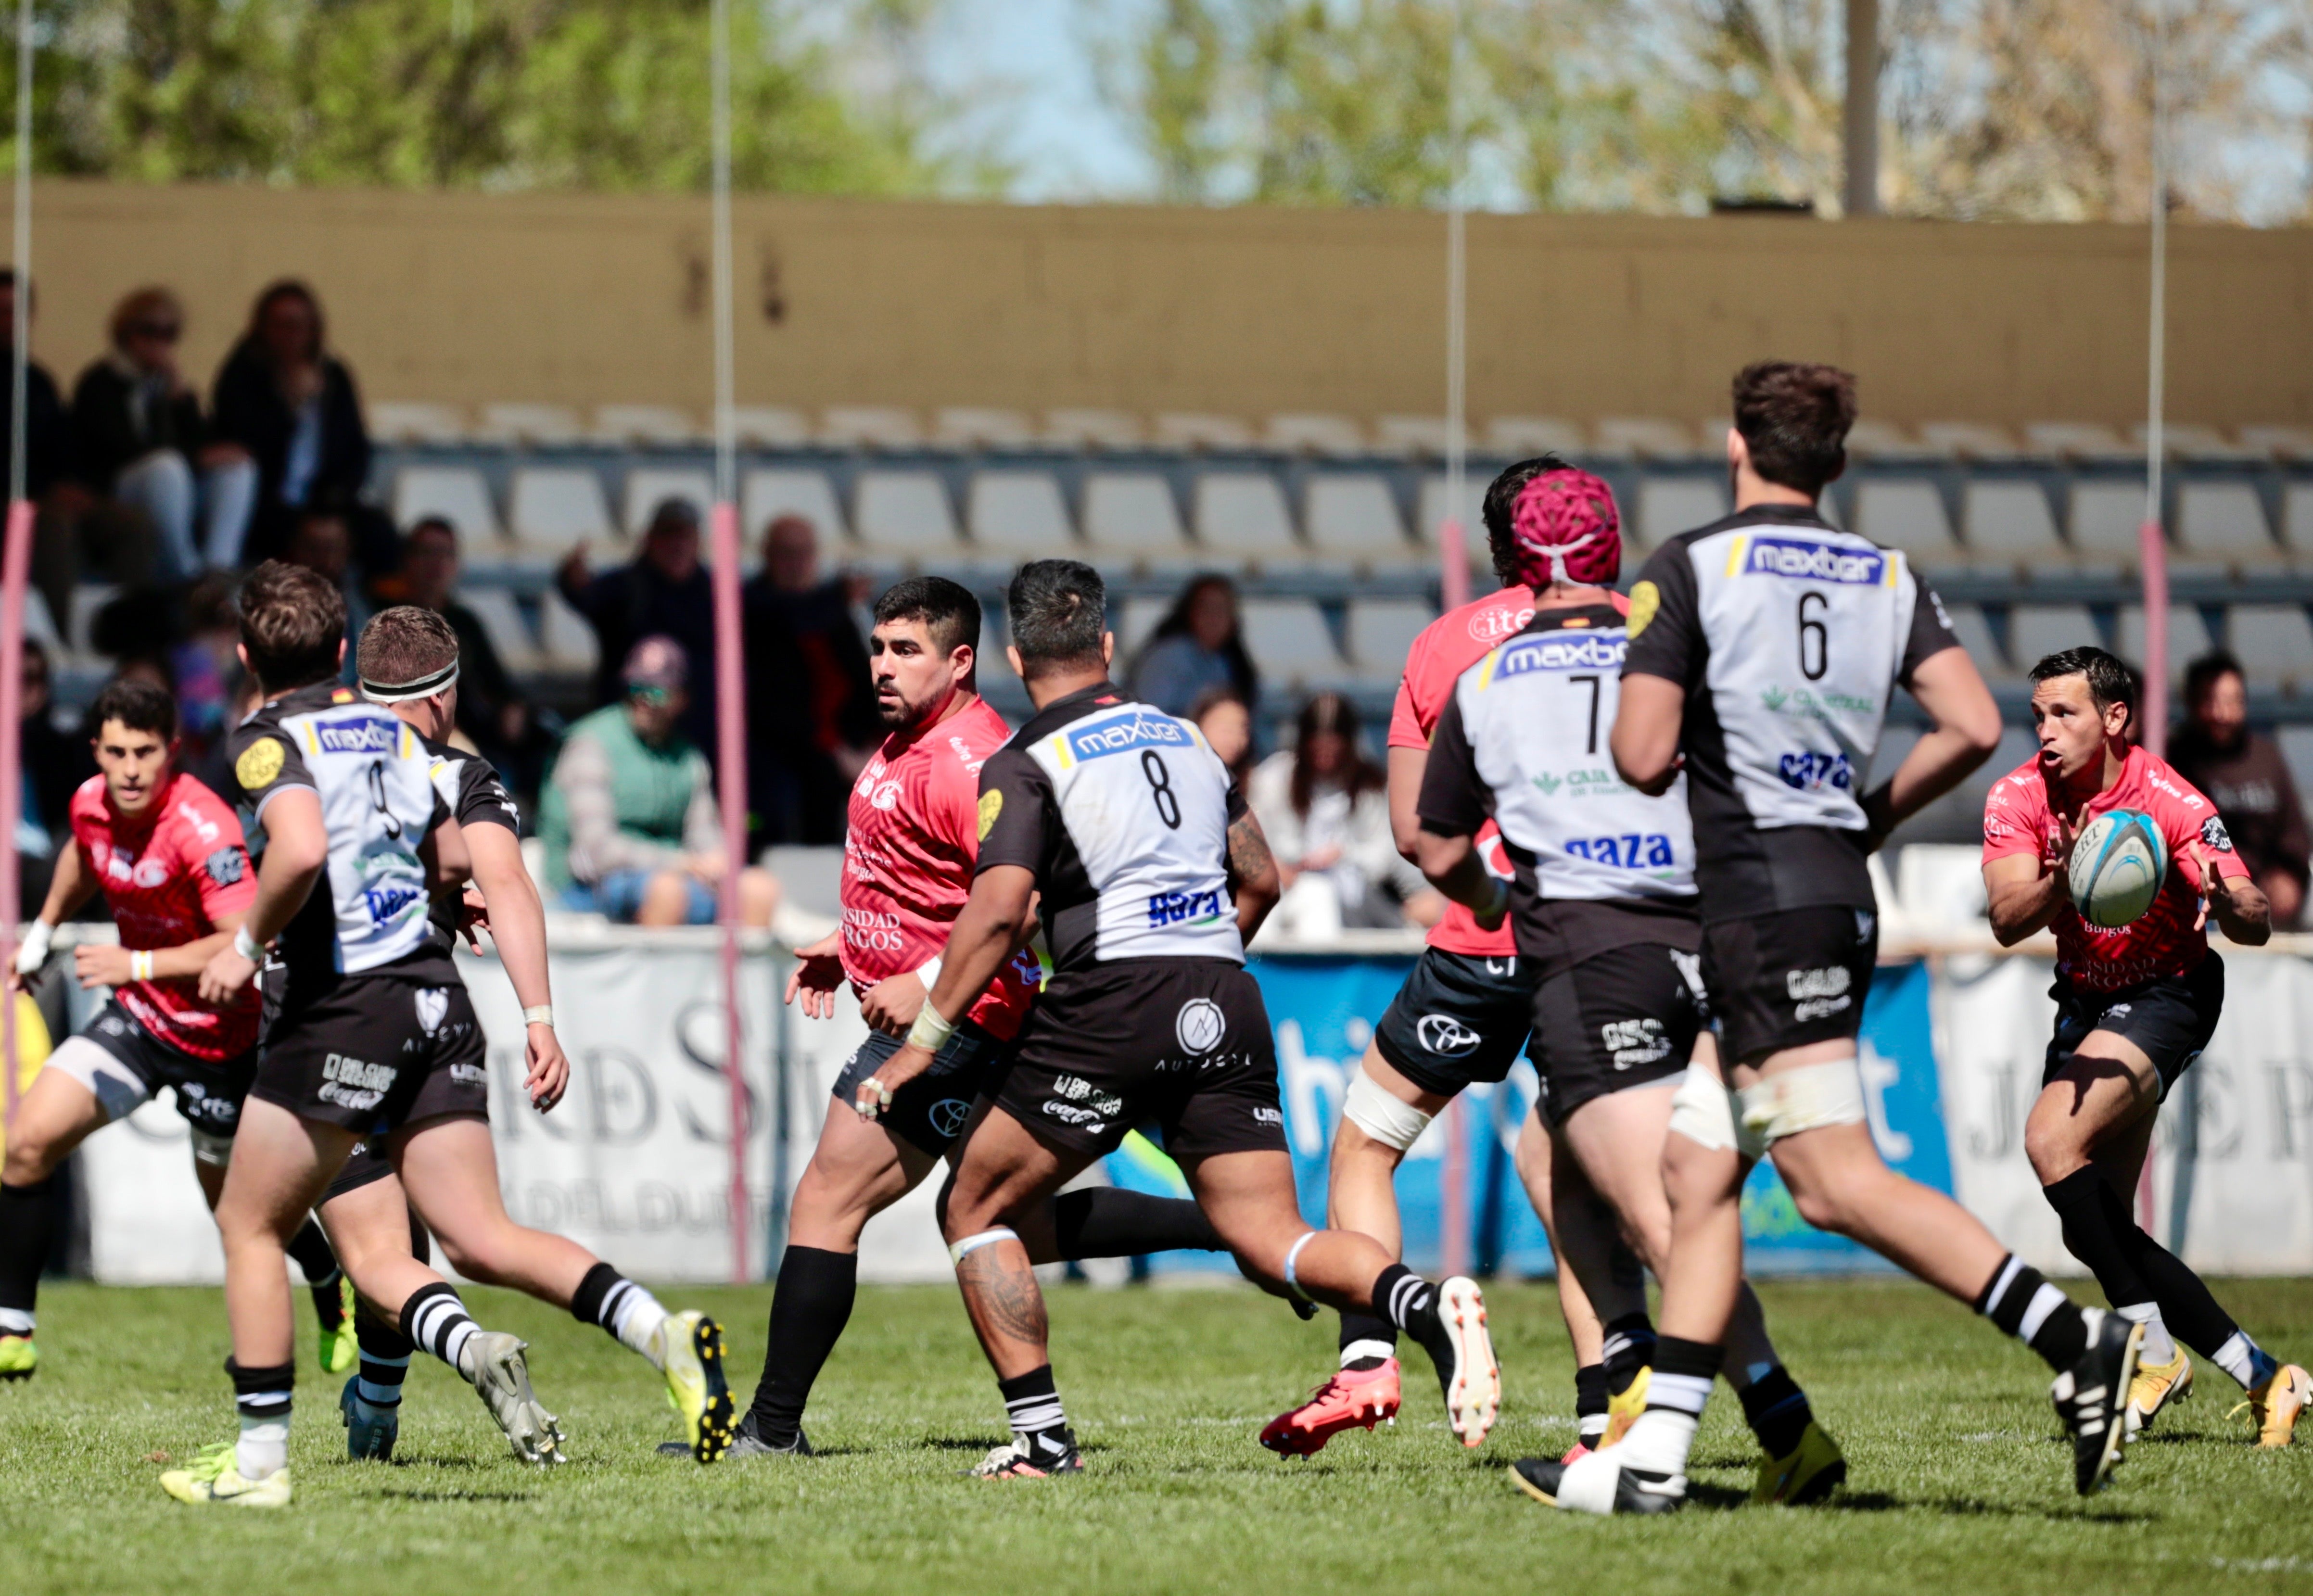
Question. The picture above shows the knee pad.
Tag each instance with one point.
(1704, 1110)
(1368, 1105)
(211, 1149)
(1809, 1098)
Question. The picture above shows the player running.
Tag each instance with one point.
(408, 662)
(366, 1033)
(167, 854)
(2135, 1005)
(908, 851)
(1153, 875)
(1762, 651)
(1603, 903)
(1461, 1017)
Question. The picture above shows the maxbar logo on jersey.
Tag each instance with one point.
(1811, 559)
(370, 734)
(1122, 733)
(1589, 651)
(1199, 1026)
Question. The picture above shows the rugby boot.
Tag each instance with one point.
(1457, 1340)
(18, 1357)
(1624, 1407)
(690, 1346)
(338, 1349)
(212, 1479)
(1352, 1398)
(746, 1441)
(1599, 1483)
(1577, 1452)
(1014, 1461)
(2155, 1387)
(2274, 1403)
(493, 1360)
(370, 1432)
(2091, 1397)
(1814, 1468)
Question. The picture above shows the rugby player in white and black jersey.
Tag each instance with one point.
(407, 664)
(1762, 651)
(1153, 875)
(1602, 903)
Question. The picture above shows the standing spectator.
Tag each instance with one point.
(1196, 646)
(55, 760)
(289, 405)
(1227, 725)
(629, 816)
(142, 440)
(322, 542)
(1325, 807)
(812, 719)
(2244, 775)
(665, 592)
(491, 710)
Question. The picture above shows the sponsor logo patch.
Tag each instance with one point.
(1069, 1114)
(1446, 1035)
(991, 804)
(226, 866)
(433, 1007)
(2214, 833)
(1589, 651)
(1811, 559)
(947, 1114)
(374, 734)
(1633, 1042)
(1199, 1026)
(260, 763)
(1646, 598)
(1122, 734)
(1268, 1117)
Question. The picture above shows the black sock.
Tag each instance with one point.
(435, 1320)
(1102, 1222)
(28, 1222)
(1371, 1332)
(809, 1309)
(2094, 1233)
(1406, 1300)
(1777, 1411)
(1590, 1402)
(1033, 1402)
(263, 1393)
(2191, 1313)
(311, 1249)
(385, 1354)
(2018, 1299)
(1629, 1348)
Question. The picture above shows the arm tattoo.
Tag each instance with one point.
(1248, 850)
(1005, 1294)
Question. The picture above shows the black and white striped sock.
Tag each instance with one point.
(630, 1313)
(435, 1320)
(261, 1397)
(385, 1354)
(2020, 1301)
(1033, 1402)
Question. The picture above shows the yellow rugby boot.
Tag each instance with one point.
(18, 1357)
(213, 1479)
(2274, 1404)
(1814, 1468)
(1622, 1409)
(2155, 1387)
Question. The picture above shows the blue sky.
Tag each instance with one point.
(1035, 61)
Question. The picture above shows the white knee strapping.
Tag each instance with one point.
(211, 1149)
(1368, 1105)
(1293, 1257)
(971, 1244)
(1809, 1098)
(1704, 1111)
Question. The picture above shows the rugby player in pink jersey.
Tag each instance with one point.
(2135, 1005)
(168, 857)
(911, 841)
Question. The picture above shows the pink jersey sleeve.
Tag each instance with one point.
(1420, 694)
(2014, 812)
(1405, 725)
(2187, 821)
(214, 853)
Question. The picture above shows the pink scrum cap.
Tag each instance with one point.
(1567, 529)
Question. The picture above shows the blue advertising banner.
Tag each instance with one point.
(1323, 1008)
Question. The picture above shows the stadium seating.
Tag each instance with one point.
(869, 426)
(1645, 438)
(2105, 519)
(905, 515)
(1093, 429)
(2009, 524)
(970, 429)
(2275, 642)
(2224, 520)
(459, 494)
(1968, 440)
(1017, 514)
(767, 494)
(1432, 511)
(1381, 632)
(1355, 517)
(1975, 635)
(1291, 645)
(1196, 431)
(1241, 515)
(2037, 630)
(1132, 515)
(555, 508)
(2079, 439)
(546, 426)
(1137, 623)
(1669, 506)
(564, 637)
(399, 421)
(1520, 437)
(2188, 634)
(502, 621)
(653, 425)
(648, 487)
(767, 426)
(1414, 436)
(1905, 513)
(1336, 435)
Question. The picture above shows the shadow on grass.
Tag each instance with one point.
(458, 1496)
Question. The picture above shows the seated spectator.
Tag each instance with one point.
(663, 592)
(1194, 647)
(291, 405)
(2243, 773)
(491, 709)
(322, 542)
(811, 707)
(144, 445)
(629, 815)
(1324, 806)
(1227, 725)
(55, 759)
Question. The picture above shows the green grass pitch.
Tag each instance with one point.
(1959, 1485)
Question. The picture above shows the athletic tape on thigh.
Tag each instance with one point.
(971, 1244)
(1368, 1105)
(1703, 1111)
(1809, 1098)
(211, 1149)
(1292, 1257)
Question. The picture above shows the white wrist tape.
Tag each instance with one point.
(34, 951)
(928, 971)
(539, 1014)
(140, 965)
(248, 946)
(1392, 1122)
(971, 1244)
(930, 1031)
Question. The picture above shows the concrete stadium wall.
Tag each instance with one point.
(582, 300)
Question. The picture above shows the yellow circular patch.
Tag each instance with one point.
(991, 804)
(1646, 598)
(259, 764)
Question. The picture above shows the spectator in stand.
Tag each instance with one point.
(1194, 647)
(1325, 807)
(629, 816)
(1227, 725)
(144, 445)
(290, 406)
(2243, 774)
(56, 759)
(322, 542)
(811, 705)
(491, 709)
(663, 592)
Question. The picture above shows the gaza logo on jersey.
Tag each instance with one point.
(1585, 651)
(1122, 733)
(375, 734)
(1813, 560)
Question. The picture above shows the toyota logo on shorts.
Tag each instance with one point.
(1446, 1035)
(948, 1115)
(1199, 1026)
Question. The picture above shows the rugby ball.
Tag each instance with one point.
(2117, 868)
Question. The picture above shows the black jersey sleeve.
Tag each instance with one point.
(1017, 811)
(1454, 800)
(1666, 620)
(1931, 631)
(482, 798)
(265, 761)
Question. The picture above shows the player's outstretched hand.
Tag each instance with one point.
(102, 964)
(2213, 885)
(223, 977)
(817, 974)
(877, 1091)
(549, 1069)
(891, 1005)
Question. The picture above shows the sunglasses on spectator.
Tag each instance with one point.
(654, 695)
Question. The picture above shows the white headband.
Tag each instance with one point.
(425, 687)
